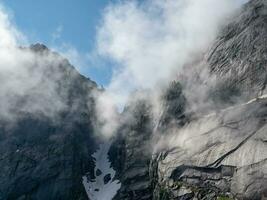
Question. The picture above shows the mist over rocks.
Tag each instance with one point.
(45, 150)
(38, 47)
(130, 154)
(218, 152)
(39, 82)
(201, 134)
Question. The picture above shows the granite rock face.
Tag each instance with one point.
(45, 157)
(220, 154)
(239, 55)
(223, 154)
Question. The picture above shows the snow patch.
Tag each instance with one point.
(96, 189)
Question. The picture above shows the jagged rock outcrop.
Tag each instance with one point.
(45, 157)
(173, 107)
(131, 153)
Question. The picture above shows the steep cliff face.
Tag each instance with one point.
(176, 155)
(239, 55)
(45, 157)
(222, 154)
(131, 153)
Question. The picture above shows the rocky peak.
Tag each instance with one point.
(38, 47)
(46, 151)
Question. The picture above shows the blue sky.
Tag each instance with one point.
(57, 22)
(72, 25)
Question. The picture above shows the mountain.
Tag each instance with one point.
(49, 140)
(220, 154)
(44, 157)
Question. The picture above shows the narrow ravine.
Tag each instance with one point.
(103, 187)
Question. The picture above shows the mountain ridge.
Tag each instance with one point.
(176, 155)
(220, 154)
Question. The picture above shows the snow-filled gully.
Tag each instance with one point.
(103, 187)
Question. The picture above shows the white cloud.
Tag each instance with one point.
(151, 41)
(9, 35)
(28, 80)
(57, 33)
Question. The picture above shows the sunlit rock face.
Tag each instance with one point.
(220, 154)
(48, 149)
(239, 55)
(45, 156)
(223, 154)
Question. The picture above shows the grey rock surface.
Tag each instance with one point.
(220, 154)
(223, 154)
(43, 157)
(239, 55)
(133, 152)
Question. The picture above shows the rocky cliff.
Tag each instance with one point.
(239, 55)
(131, 152)
(45, 157)
(220, 154)
(178, 154)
